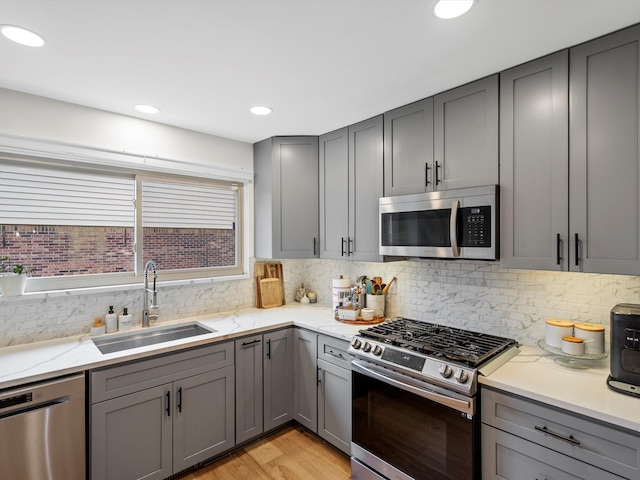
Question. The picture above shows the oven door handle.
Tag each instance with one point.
(460, 405)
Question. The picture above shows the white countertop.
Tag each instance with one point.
(533, 374)
(38, 361)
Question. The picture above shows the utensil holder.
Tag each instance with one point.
(376, 302)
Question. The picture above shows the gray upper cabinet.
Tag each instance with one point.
(333, 158)
(466, 135)
(351, 182)
(534, 164)
(408, 149)
(604, 162)
(286, 197)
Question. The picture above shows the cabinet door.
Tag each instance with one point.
(131, 436)
(286, 197)
(305, 399)
(249, 405)
(334, 405)
(507, 457)
(334, 194)
(278, 378)
(367, 185)
(534, 164)
(466, 135)
(408, 149)
(203, 419)
(604, 160)
(296, 180)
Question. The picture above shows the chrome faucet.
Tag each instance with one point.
(153, 306)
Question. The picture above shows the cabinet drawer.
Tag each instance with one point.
(112, 382)
(507, 457)
(590, 441)
(334, 350)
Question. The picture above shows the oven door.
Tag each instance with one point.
(405, 431)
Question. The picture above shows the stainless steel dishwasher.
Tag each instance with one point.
(42, 430)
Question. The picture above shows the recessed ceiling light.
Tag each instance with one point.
(22, 36)
(447, 9)
(261, 110)
(147, 109)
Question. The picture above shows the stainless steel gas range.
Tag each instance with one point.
(415, 399)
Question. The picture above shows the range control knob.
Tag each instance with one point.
(356, 344)
(377, 351)
(445, 371)
(367, 347)
(461, 376)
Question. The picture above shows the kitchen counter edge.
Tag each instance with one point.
(533, 374)
(24, 364)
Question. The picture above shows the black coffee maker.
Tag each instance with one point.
(625, 349)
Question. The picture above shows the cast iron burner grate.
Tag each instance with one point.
(455, 344)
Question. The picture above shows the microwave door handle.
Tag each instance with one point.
(453, 230)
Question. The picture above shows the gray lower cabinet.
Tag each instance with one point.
(534, 164)
(264, 383)
(305, 381)
(286, 197)
(322, 387)
(334, 392)
(351, 181)
(522, 438)
(466, 135)
(507, 457)
(278, 378)
(408, 149)
(604, 159)
(249, 404)
(155, 417)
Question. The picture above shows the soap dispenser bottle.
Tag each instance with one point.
(125, 320)
(111, 320)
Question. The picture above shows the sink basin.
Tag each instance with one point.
(145, 338)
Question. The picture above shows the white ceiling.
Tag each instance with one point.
(320, 64)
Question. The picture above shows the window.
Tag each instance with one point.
(89, 226)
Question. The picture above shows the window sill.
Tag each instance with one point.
(118, 288)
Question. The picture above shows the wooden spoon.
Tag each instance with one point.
(386, 288)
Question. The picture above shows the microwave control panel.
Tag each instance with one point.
(476, 226)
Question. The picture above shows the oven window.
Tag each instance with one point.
(424, 228)
(417, 436)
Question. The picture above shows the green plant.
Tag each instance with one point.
(17, 268)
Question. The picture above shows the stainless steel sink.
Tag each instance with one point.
(144, 338)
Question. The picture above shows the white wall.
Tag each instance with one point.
(42, 118)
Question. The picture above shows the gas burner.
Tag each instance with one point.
(438, 341)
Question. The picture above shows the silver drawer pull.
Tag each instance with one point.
(333, 354)
(569, 439)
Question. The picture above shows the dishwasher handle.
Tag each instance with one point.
(41, 395)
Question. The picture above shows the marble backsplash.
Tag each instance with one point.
(479, 296)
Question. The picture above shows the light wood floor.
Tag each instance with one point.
(289, 454)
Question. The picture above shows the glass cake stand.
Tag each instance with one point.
(571, 361)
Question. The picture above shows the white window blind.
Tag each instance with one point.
(41, 196)
(184, 205)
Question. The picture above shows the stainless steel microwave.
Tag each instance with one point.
(461, 223)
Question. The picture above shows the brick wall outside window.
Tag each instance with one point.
(78, 250)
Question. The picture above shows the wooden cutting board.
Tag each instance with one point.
(270, 292)
(268, 270)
